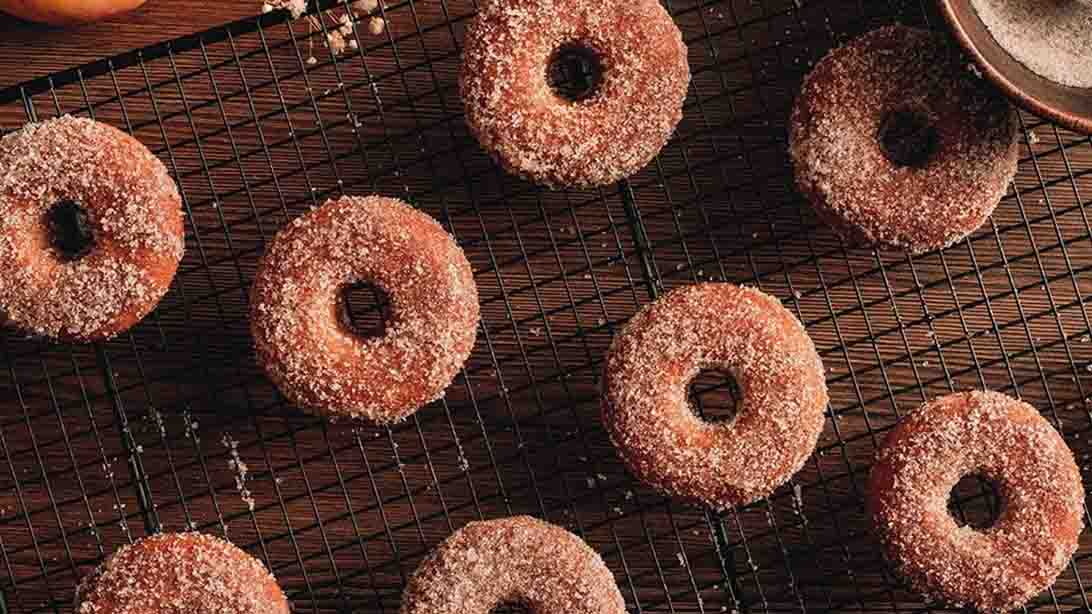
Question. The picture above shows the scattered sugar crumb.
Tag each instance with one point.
(236, 464)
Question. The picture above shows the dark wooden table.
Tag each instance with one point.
(30, 50)
(102, 444)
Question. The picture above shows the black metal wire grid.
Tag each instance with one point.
(173, 427)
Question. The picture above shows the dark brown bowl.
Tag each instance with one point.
(1068, 106)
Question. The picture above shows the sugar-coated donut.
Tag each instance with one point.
(745, 332)
(895, 142)
(605, 136)
(517, 560)
(90, 230)
(181, 573)
(1006, 441)
(310, 351)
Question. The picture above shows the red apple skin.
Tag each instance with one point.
(67, 12)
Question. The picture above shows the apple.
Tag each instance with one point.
(67, 12)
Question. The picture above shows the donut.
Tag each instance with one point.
(1007, 442)
(517, 560)
(648, 416)
(90, 230)
(307, 346)
(181, 573)
(639, 78)
(896, 143)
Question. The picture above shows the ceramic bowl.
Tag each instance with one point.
(1067, 106)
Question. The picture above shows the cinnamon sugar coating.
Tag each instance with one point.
(512, 560)
(181, 573)
(533, 132)
(841, 167)
(132, 208)
(647, 412)
(1006, 441)
(310, 351)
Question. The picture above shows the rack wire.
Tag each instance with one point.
(173, 427)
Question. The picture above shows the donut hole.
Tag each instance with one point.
(511, 607)
(715, 396)
(364, 309)
(574, 71)
(70, 232)
(908, 137)
(975, 502)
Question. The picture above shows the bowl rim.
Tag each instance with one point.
(1073, 121)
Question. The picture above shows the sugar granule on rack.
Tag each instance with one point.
(236, 464)
(339, 27)
(294, 7)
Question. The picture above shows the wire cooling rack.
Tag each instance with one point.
(173, 427)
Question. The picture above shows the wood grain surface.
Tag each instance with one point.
(173, 426)
(30, 50)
